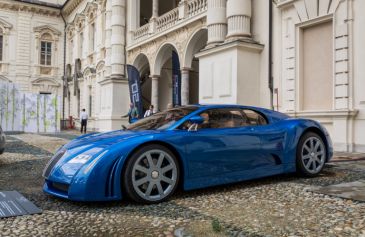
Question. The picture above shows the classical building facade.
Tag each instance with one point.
(95, 62)
(319, 54)
(31, 46)
(301, 57)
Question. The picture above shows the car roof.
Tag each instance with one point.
(217, 106)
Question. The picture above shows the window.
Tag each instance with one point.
(222, 118)
(81, 44)
(71, 50)
(92, 37)
(46, 53)
(1, 47)
(162, 120)
(90, 102)
(253, 118)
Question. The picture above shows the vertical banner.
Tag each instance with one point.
(176, 80)
(135, 89)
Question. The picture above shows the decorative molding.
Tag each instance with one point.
(70, 7)
(5, 26)
(79, 21)
(26, 7)
(91, 8)
(330, 113)
(47, 29)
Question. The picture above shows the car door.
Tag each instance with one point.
(271, 137)
(222, 144)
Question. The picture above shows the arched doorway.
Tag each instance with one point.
(190, 68)
(164, 71)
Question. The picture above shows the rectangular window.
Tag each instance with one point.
(90, 102)
(46, 53)
(71, 50)
(81, 43)
(92, 37)
(1, 48)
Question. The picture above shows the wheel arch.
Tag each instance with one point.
(177, 154)
(320, 133)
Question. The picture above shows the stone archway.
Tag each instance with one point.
(162, 75)
(190, 66)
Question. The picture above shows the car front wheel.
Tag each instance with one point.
(311, 154)
(151, 174)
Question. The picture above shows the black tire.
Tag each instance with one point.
(129, 183)
(314, 158)
(2, 151)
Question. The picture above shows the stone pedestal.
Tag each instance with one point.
(230, 74)
(114, 104)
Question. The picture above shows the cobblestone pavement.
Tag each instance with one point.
(275, 206)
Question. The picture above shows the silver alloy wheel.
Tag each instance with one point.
(313, 155)
(154, 175)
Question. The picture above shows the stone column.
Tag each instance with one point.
(108, 35)
(154, 91)
(239, 19)
(155, 9)
(118, 39)
(185, 86)
(216, 21)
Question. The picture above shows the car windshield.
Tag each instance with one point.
(162, 120)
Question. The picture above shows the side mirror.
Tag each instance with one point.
(196, 119)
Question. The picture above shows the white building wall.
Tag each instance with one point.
(21, 48)
(358, 54)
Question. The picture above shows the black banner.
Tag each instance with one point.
(135, 89)
(176, 80)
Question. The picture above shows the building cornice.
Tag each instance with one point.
(70, 6)
(41, 3)
(29, 7)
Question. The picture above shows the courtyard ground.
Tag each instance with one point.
(276, 206)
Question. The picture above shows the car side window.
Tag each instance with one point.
(254, 118)
(222, 118)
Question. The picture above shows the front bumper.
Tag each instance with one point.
(96, 184)
(70, 192)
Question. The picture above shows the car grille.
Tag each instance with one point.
(60, 187)
(47, 170)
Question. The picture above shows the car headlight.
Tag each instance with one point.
(80, 159)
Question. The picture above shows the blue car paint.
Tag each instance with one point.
(205, 155)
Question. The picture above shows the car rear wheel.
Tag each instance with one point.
(151, 174)
(311, 154)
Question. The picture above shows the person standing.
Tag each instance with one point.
(149, 112)
(132, 114)
(83, 119)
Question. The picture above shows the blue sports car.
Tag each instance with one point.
(192, 147)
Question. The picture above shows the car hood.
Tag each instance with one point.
(106, 139)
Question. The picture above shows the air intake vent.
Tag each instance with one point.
(47, 170)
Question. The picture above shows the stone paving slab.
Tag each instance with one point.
(353, 190)
(347, 156)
